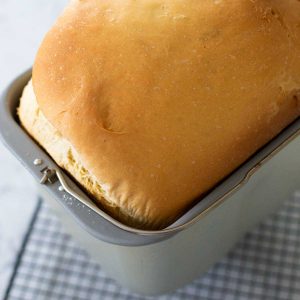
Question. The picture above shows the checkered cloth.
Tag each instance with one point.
(265, 265)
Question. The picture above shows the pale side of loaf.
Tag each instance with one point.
(65, 155)
(164, 98)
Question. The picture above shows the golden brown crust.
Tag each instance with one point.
(163, 98)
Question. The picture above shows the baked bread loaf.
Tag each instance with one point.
(149, 104)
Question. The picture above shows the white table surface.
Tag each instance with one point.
(23, 23)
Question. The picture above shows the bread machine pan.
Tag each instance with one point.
(89, 215)
(194, 242)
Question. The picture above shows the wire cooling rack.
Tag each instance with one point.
(264, 265)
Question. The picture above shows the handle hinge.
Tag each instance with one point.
(49, 176)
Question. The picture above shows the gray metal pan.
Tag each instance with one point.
(86, 213)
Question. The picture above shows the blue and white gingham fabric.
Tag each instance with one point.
(264, 265)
